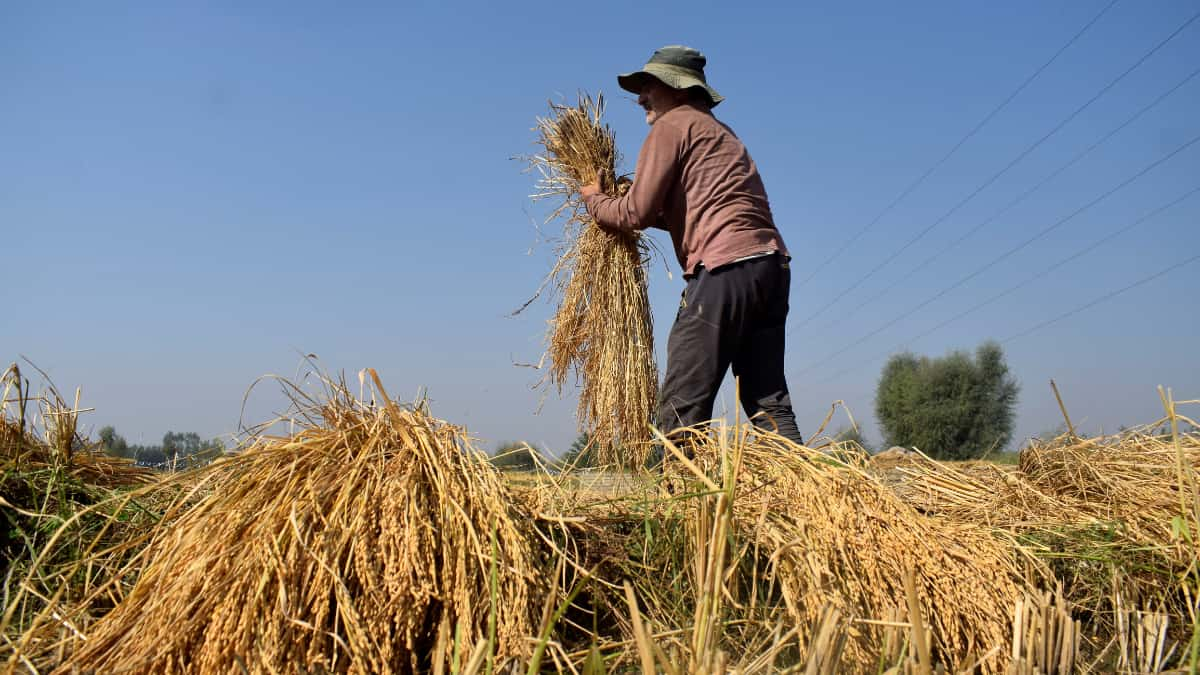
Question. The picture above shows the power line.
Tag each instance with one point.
(1047, 230)
(1015, 202)
(1107, 296)
(987, 118)
(996, 176)
(1012, 289)
(1069, 259)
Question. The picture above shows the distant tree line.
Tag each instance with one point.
(517, 456)
(521, 456)
(178, 449)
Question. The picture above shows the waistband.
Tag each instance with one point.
(752, 256)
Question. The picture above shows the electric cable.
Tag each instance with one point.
(1024, 153)
(987, 118)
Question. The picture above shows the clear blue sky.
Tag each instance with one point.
(194, 194)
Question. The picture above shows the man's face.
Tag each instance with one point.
(657, 98)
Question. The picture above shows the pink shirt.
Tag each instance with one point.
(696, 180)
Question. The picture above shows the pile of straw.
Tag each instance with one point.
(89, 464)
(1134, 478)
(379, 541)
(51, 441)
(602, 330)
(763, 543)
(1101, 514)
(62, 501)
(840, 537)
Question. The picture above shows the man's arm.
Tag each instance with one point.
(657, 170)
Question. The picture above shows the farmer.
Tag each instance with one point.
(696, 180)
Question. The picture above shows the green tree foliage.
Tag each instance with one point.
(152, 455)
(115, 444)
(953, 407)
(178, 449)
(175, 444)
(582, 454)
(516, 456)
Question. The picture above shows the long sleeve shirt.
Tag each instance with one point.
(696, 180)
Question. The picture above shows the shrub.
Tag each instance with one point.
(953, 407)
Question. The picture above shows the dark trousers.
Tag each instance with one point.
(735, 316)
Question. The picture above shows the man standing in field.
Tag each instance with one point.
(696, 180)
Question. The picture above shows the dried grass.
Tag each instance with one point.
(1102, 515)
(62, 501)
(38, 432)
(840, 537)
(602, 331)
(1132, 478)
(379, 542)
(769, 553)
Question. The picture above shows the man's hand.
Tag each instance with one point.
(590, 189)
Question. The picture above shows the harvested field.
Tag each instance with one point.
(376, 539)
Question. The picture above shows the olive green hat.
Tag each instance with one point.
(677, 67)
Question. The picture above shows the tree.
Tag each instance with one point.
(181, 445)
(582, 453)
(178, 449)
(151, 455)
(115, 444)
(953, 407)
(516, 456)
(188, 448)
(846, 434)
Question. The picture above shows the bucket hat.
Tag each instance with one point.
(677, 67)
